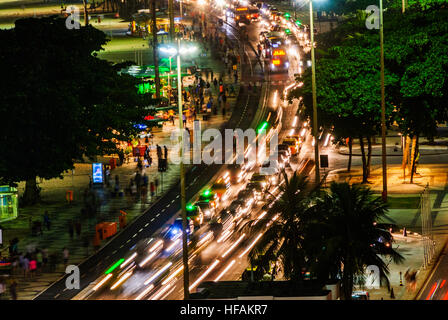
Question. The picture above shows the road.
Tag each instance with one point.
(436, 287)
(155, 272)
(167, 207)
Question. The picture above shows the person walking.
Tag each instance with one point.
(39, 260)
(159, 152)
(46, 219)
(13, 289)
(33, 267)
(70, 229)
(152, 189)
(78, 228)
(165, 149)
(65, 256)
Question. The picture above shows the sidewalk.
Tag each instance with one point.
(61, 213)
(404, 211)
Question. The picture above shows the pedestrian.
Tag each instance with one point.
(211, 75)
(25, 265)
(46, 219)
(166, 152)
(78, 228)
(70, 229)
(235, 75)
(13, 289)
(65, 256)
(184, 119)
(152, 189)
(215, 83)
(159, 152)
(33, 267)
(39, 260)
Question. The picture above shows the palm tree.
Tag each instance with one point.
(282, 242)
(345, 237)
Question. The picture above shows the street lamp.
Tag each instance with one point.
(178, 52)
(313, 80)
(383, 109)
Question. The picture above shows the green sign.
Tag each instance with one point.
(8, 203)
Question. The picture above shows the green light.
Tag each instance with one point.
(190, 207)
(287, 31)
(114, 266)
(264, 125)
(287, 15)
(298, 22)
(206, 193)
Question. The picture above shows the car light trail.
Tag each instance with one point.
(159, 294)
(152, 255)
(260, 217)
(121, 280)
(234, 245)
(145, 292)
(225, 270)
(225, 235)
(158, 273)
(303, 132)
(205, 238)
(171, 247)
(295, 121)
(114, 266)
(132, 257)
(327, 139)
(431, 292)
(99, 284)
(156, 245)
(251, 245)
(214, 264)
(173, 275)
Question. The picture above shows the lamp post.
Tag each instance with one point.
(313, 80)
(173, 51)
(383, 109)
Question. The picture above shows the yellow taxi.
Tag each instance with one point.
(294, 145)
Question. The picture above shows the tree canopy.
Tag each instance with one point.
(58, 100)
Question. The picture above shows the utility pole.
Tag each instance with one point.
(313, 80)
(86, 14)
(182, 180)
(154, 47)
(383, 109)
(171, 16)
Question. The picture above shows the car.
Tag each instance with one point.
(294, 146)
(236, 173)
(261, 178)
(283, 147)
(270, 167)
(222, 187)
(283, 157)
(360, 295)
(258, 189)
(235, 207)
(207, 209)
(245, 194)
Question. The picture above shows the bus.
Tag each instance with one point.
(279, 61)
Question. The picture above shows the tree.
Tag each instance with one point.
(60, 101)
(348, 92)
(283, 240)
(416, 48)
(343, 239)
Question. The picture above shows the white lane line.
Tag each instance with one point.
(152, 219)
(147, 224)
